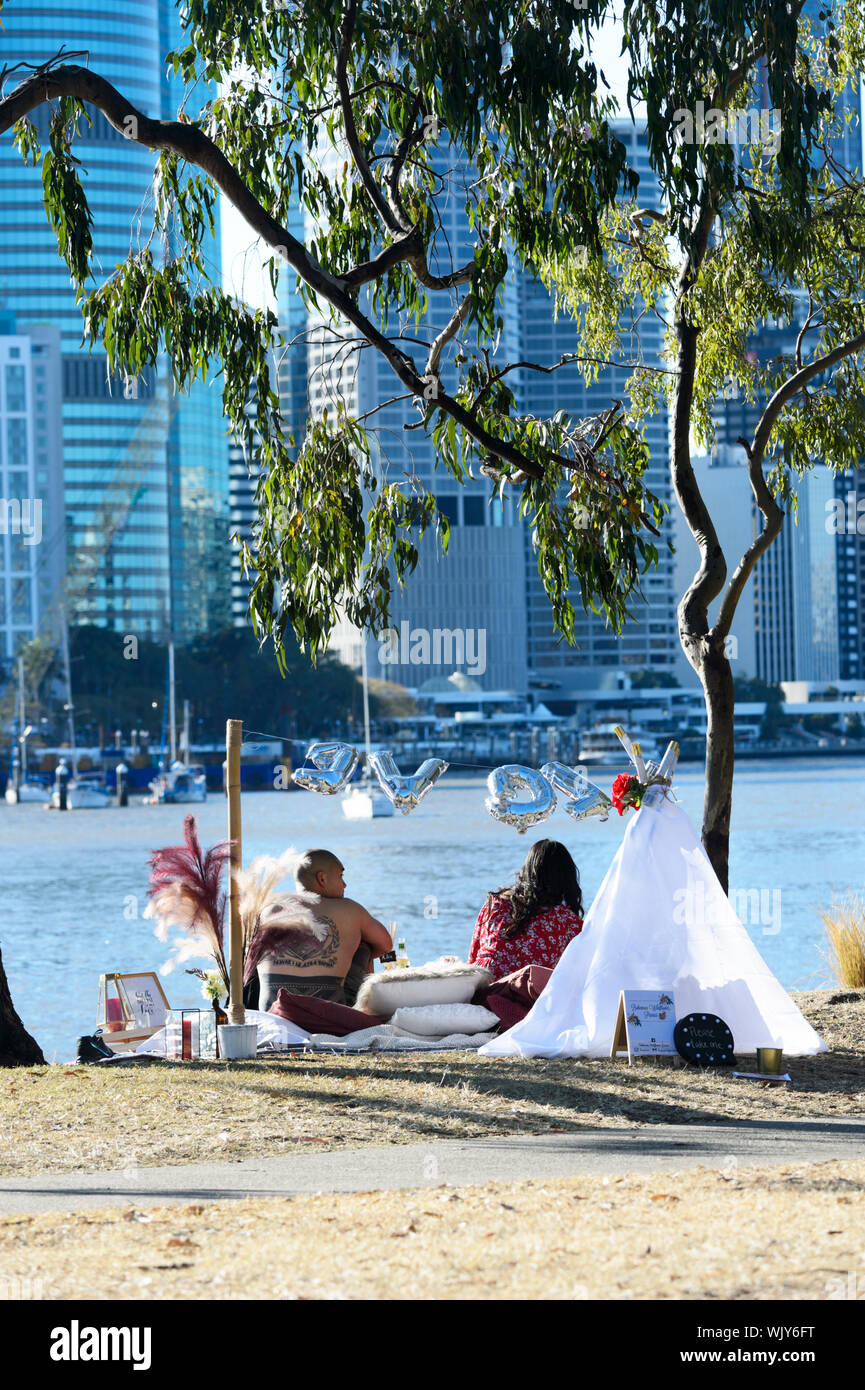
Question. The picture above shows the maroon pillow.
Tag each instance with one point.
(320, 1015)
(523, 986)
(511, 997)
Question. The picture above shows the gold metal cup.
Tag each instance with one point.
(769, 1060)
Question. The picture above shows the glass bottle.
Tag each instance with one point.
(402, 960)
(220, 1017)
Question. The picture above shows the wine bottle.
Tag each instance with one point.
(220, 1017)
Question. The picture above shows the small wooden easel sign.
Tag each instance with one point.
(644, 1024)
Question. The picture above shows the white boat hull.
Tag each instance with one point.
(28, 791)
(82, 797)
(179, 786)
(361, 804)
(619, 759)
(164, 796)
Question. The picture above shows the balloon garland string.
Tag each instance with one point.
(260, 733)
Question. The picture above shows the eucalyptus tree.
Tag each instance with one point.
(332, 109)
(763, 222)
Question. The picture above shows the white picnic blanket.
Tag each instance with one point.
(278, 1035)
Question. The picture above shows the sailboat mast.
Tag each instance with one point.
(186, 732)
(22, 741)
(365, 679)
(172, 719)
(69, 706)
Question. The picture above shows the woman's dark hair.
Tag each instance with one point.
(548, 877)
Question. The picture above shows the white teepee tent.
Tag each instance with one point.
(660, 919)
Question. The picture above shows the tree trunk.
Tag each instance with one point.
(17, 1048)
(716, 678)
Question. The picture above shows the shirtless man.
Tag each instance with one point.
(321, 968)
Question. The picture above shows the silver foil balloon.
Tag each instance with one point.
(405, 792)
(332, 765)
(594, 803)
(570, 781)
(505, 785)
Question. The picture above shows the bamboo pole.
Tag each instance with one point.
(233, 739)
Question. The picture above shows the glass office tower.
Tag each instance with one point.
(146, 474)
(650, 640)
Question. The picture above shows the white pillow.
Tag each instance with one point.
(382, 994)
(437, 1020)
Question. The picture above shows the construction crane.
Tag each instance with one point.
(119, 497)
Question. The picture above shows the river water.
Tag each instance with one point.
(74, 886)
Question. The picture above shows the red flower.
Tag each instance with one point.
(627, 791)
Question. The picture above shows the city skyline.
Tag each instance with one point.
(145, 473)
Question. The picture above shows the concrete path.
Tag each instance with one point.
(594, 1152)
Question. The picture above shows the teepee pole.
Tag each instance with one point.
(233, 739)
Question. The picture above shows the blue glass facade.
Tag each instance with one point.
(650, 639)
(808, 586)
(146, 477)
(489, 580)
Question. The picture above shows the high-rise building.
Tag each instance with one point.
(847, 521)
(32, 528)
(488, 583)
(793, 596)
(146, 475)
(649, 640)
(242, 480)
(470, 606)
(806, 589)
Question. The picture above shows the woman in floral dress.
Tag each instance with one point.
(532, 922)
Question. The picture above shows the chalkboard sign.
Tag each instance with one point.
(645, 1023)
(705, 1040)
(144, 999)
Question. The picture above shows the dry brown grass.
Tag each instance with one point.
(845, 940)
(79, 1119)
(798, 1235)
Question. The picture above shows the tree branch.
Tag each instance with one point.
(192, 144)
(755, 450)
(457, 320)
(411, 138)
(374, 193)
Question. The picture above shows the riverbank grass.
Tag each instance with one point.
(845, 940)
(83, 1118)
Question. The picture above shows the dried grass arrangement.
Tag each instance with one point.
(186, 892)
(844, 921)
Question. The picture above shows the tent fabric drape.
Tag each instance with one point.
(660, 920)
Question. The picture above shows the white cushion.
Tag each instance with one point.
(437, 1020)
(382, 994)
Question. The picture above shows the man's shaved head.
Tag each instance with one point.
(313, 862)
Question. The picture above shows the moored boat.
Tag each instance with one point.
(30, 790)
(180, 784)
(601, 746)
(83, 794)
(365, 800)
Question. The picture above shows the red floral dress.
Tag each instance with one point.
(540, 943)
